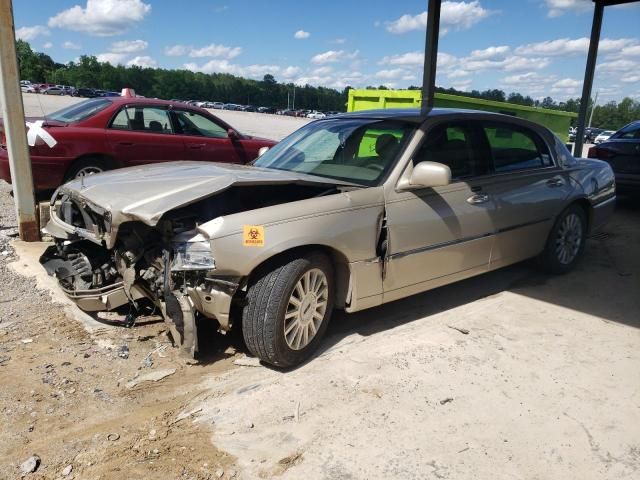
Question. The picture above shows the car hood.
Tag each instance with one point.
(146, 193)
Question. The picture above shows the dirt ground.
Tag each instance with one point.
(545, 384)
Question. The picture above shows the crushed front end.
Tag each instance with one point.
(169, 264)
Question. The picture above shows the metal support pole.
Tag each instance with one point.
(430, 55)
(598, 10)
(14, 127)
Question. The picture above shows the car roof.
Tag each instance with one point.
(415, 114)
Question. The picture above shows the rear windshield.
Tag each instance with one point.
(80, 111)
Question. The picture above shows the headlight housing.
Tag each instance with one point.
(192, 256)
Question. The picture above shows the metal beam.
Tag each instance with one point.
(430, 55)
(14, 128)
(596, 26)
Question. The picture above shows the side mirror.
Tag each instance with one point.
(262, 151)
(428, 174)
(232, 134)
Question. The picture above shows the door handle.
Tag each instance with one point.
(478, 199)
(555, 182)
(196, 146)
(126, 144)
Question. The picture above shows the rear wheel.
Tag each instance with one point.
(85, 167)
(566, 241)
(288, 309)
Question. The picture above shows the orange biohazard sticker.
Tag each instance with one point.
(253, 236)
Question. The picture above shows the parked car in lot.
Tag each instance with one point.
(348, 212)
(85, 92)
(591, 133)
(315, 114)
(53, 91)
(622, 152)
(218, 105)
(106, 133)
(28, 89)
(267, 110)
(603, 136)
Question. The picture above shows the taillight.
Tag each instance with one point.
(601, 153)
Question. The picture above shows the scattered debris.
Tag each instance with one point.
(112, 437)
(463, 331)
(219, 473)
(27, 340)
(30, 465)
(249, 424)
(151, 377)
(123, 352)
(247, 361)
(463, 450)
(66, 471)
(183, 415)
(297, 413)
(446, 400)
(147, 362)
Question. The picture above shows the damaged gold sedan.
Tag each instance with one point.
(348, 212)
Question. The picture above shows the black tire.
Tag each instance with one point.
(552, 259)
(268, 297)
(94, 164)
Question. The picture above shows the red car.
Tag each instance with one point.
(112, 132)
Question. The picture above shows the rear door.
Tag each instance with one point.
(207, 140)
(527, 187)
(140, 134)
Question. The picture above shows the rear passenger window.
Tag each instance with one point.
(514, 148)
(143, 119)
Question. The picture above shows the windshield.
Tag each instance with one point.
(80, 111)
(354, 150)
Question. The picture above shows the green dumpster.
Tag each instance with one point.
(555, 120)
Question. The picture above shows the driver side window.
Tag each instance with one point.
(452, 144)
(191, 123)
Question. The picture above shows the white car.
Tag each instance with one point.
(27, 88)
(316, 114)
(604, 136)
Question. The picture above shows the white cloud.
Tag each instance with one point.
(322, 71)
(630, 78)
(632, 51)
(290, 72)
(224, 66)
(301, 35)
(490, 52)
(460, 15)
(575, 46)
(339, 41)
(215, 51)
(511, 63)
(47, 45)
(143, 61)
(390, 74)
(567, 83)
(333, 56)
(618, 66)
(176, 50)
(462, 85)
(409, 58)
(129, 46)
(102, 18)
(112, 58)
(458, 73)
(30, 33)
(560, 7)
(71, 46)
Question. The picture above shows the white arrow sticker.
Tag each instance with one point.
(35, 131)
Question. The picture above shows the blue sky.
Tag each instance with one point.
(535, 47)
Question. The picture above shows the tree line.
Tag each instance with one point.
(224, 87)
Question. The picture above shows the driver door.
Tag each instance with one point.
(442, 234)
(206, 140)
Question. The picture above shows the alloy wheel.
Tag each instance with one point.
(306, 309)
(569, 239)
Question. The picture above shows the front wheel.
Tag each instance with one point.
(566, 241)
(288, 309)
(85, 167)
